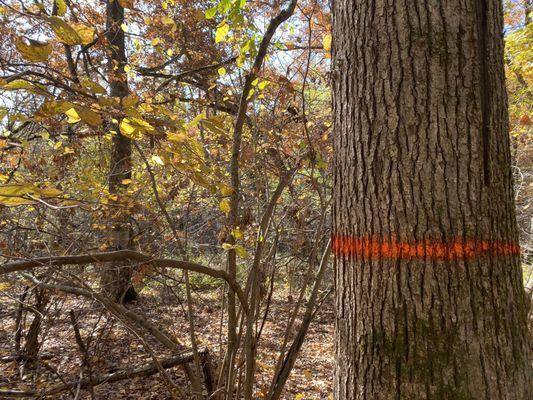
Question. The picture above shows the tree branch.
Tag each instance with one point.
(123, 255)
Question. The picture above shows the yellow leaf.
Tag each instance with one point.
(226, 190)
(50, 192)
(196, 120)
(17, 194)
(93, 87)
(177, 137)
(130, 100)
(241, 251)
(221, 32)
(237, 233)
(73, 116)
(225, 206)
(34, 51)
(21, 84)
(61, 7)
(167, 20)
(64, 32)
(134, 128)
(222, 71)
(326, 42)
(126, 181)
(227, 246)
(86, 33)
(89, 116)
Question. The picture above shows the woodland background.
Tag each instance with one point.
(186, 66)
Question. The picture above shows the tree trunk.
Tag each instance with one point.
(116, 280)
(429, 295)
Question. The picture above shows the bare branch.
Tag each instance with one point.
(123, 255)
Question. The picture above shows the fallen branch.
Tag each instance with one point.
(23, 357)
(123, 255)
(98, 379)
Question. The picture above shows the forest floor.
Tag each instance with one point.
(113, 346)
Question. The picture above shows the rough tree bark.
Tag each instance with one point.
(116, 280)
(429, 296)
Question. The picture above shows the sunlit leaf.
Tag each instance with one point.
(326, 43)
(64, 32)
(86, 33)
(157, 160)
(221, 32)
(21, 84)
(18, 194)
(73, 116)
(91, 86)
(135, 128)
(177, 137)
(89, 116)
(34, 51)
(211, 12)
(224, 206)
(241, 251)
(61, 6)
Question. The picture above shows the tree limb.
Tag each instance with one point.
(123, 255)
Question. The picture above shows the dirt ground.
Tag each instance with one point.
(113, 346)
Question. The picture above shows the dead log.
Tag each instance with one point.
(98, 379)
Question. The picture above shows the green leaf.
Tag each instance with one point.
(34, 51)
(211, 12)
(224, 6)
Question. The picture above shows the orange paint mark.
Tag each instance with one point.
(441, 250)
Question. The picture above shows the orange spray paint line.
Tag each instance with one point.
(453, 249)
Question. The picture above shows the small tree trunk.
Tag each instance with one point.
(116, 280)
(429, 296)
